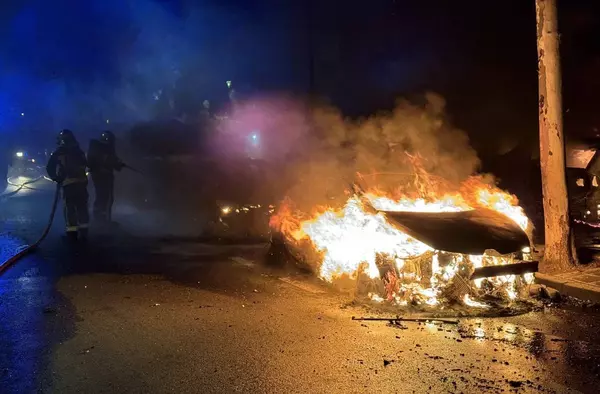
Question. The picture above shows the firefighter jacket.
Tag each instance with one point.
(67, 165)
(102, 159)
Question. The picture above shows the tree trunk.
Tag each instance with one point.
(559, 246)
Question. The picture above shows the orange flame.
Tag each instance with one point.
(350, 239)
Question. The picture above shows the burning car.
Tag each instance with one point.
(424, 251)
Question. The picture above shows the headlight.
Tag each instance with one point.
(226, 208)
(19, 154)
(233, 209)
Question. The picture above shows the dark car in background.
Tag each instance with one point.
(217, 195)
(29, 160)
(582, 183)
(243, 195)
(221, 199)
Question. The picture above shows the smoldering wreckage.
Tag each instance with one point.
(415, 231)
(417, 255)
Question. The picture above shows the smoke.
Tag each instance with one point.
(313, 155)
(79, 64)
(412, 147)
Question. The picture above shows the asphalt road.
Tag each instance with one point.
(140, 314)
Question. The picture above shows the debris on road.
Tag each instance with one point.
(550, 293)
(397, 324)
(86, 351)
(397, 319)
(525, 267)
(515, 383)
(535, 290)
(303, 285)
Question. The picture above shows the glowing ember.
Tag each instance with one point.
(375, 297)
(468, 301)
(448, 204)
(357, 240)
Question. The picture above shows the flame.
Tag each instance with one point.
(484, 196)
(375, 297)
(468, 301)
(350, 240)
(353, 237)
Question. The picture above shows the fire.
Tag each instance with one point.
(468, 301)
(356, 240)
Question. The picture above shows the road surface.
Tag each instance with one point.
(139, 314)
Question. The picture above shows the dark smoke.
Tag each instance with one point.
(385, 151)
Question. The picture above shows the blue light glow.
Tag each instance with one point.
(255, 138)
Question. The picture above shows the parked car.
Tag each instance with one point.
(221, 194)
(29, 162)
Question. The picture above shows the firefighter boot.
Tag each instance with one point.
(83, 234)
(71, 236)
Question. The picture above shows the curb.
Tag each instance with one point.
(569, 287)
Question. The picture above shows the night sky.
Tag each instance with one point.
(74, 62)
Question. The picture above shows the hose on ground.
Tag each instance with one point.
(25, 251)
(19, 186)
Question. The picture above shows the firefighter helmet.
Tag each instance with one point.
(66, 137)
(108, 137)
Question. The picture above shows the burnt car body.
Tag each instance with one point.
(470, 232)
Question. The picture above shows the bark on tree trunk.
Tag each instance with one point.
(559, 253)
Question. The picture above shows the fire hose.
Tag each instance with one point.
(19, 187)
(25, 251)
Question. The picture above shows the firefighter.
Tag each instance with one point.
(67, 166)
(103, 162)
